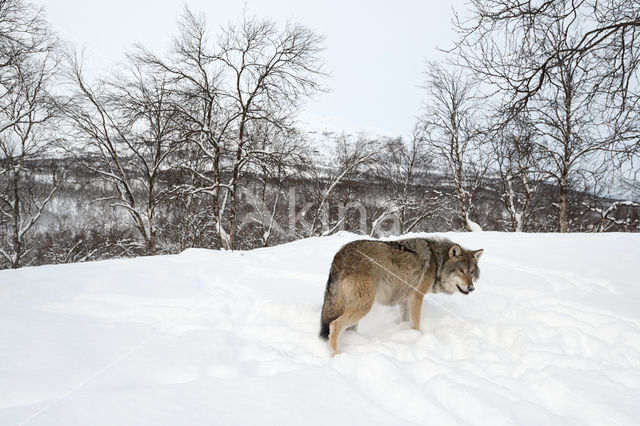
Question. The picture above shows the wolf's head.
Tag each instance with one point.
(460, 270)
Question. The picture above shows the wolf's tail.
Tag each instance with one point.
(329, 307)
(324, 330)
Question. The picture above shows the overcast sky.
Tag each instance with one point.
(375, 50)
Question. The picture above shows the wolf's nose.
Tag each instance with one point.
(471, 288)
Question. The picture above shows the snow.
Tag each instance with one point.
(550, 336)
(473, 226)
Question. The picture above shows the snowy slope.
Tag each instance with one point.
(550, 336)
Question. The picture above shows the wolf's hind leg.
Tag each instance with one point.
(350, 317)
(354, 327)
(358, 294)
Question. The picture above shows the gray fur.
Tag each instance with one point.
(397, 272)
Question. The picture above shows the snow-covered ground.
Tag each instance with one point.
(550, 336)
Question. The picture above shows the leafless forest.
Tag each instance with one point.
(531, 123)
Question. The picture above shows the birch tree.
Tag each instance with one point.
(28, 111)
(254, 74)
(407, 167)
(352, 158)
(450, 122)
(520, 166)
(573, 65)
(505, 43)
(273, 174)
(128, 127)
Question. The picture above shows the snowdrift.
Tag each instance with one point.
(550, 336)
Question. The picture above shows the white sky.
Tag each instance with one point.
(375, 50)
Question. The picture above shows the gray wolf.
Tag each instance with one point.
(392, 273)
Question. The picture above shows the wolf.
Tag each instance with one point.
(397, 272)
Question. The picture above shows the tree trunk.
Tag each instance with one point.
(152, 245)
(563, 205)
(232, 218)
(17, 240)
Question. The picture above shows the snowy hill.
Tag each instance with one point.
(550, 336)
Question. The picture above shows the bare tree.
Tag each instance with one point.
(570, 65)
(505, 42)
(23, 33)
(28, 64)
(129, 124)
(612, 207)
(255, 75)
(572, 118)
(352, 158)
(273, 174)
(406, 166)
(189, 222)
(519, 163)
(623, 214)
(452, 130)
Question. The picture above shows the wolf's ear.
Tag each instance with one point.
(455, 251)
(477, 254)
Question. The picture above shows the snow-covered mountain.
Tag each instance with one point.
(550, 336)
(321, 133)
(314, 123)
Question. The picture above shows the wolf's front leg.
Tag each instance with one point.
(415, 306)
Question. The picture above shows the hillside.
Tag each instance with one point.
(550, 336)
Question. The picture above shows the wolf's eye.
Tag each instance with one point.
(461, 270)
